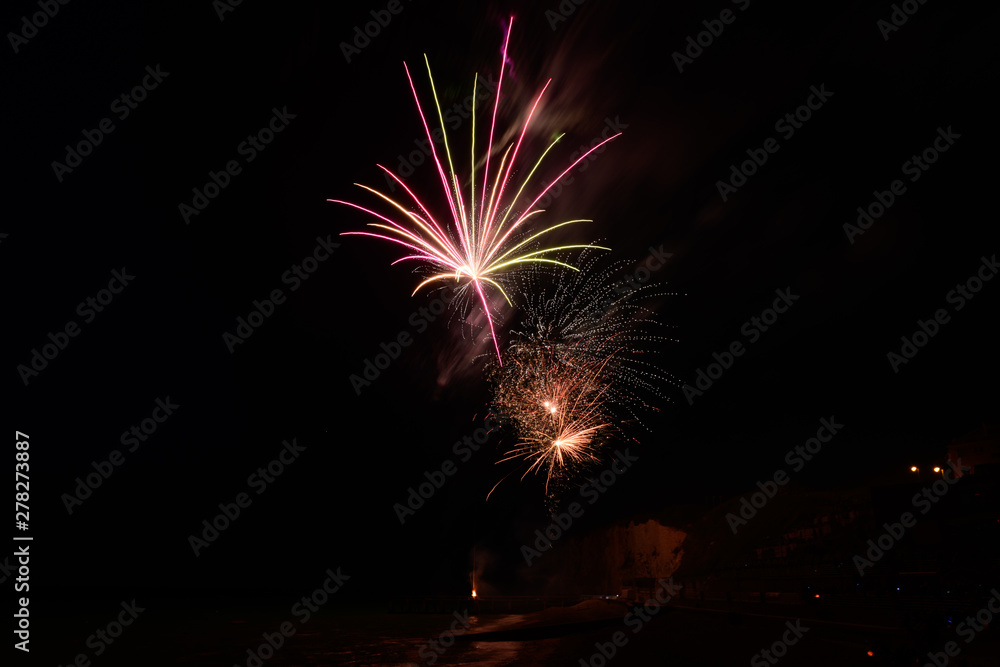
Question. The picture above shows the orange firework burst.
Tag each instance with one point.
(556, 400)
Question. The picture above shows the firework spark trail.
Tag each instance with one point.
(480, 249)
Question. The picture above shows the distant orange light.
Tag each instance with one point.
(871, 653)
(816, 596)
(913, 468)
(473, 593)
(937, 469)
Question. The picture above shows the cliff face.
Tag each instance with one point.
(601, 561)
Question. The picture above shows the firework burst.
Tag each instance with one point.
(557, 405)
(578, 369)
(477, 245)
(598, 317)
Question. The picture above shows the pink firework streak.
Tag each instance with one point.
(476, 245)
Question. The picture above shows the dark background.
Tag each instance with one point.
(654, 186)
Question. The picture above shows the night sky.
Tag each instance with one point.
(213, 81)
